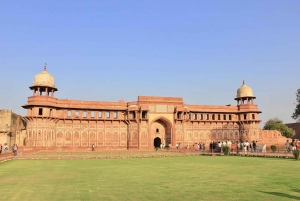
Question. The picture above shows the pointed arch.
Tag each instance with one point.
(166, 121)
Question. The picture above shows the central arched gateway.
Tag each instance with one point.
(161, 129)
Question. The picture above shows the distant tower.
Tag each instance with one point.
(43, 84)
(244, 95)
(40, 104)
(248, 113)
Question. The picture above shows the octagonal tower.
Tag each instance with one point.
(42, 102)
(248, 113)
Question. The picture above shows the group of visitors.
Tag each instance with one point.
(218, 146)
(162, 146)
(199, 146)
(246, 146)
(234, 146)
(5, 149)
(295, 144)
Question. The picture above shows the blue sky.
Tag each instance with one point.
(113, 50)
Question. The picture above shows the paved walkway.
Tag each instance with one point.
(127, 154)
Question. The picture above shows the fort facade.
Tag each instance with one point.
(141, 124)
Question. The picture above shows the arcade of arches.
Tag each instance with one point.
(140, 124)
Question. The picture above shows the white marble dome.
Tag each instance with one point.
(44, 79)
(244, 91)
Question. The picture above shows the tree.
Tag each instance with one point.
(277, 124)
(296, 114)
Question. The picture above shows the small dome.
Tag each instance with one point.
(244, 91)
(44, 79)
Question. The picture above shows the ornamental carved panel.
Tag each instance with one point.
(161, 108)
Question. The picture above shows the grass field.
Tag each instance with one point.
(165, 178)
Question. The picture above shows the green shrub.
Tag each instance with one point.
(273, 148)
(226, 150)
(296, 154)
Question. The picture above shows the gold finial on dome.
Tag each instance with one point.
(243, 82)
(45, 67)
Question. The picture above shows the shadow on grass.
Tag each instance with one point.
(296, 190)
(284, 195)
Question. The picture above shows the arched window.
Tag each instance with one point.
(157, 130)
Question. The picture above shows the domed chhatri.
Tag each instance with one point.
(44, 79)
(244, 91)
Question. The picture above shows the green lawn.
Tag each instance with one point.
(165, 178)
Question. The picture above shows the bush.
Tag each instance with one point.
(273, 148)
(296, 154)
(226, 150)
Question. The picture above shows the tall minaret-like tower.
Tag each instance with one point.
(248, 113)
(40, 104)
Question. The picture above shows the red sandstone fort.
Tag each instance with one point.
(141, 124)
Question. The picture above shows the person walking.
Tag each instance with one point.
(222, 145)
(254, 146)
(211, 146)
(237, 146)
(0, 148)
(287, 146)
(15, 149)
(5, 148)
(12, 149)
(293, 144)
(243, 148)
(219, 147)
